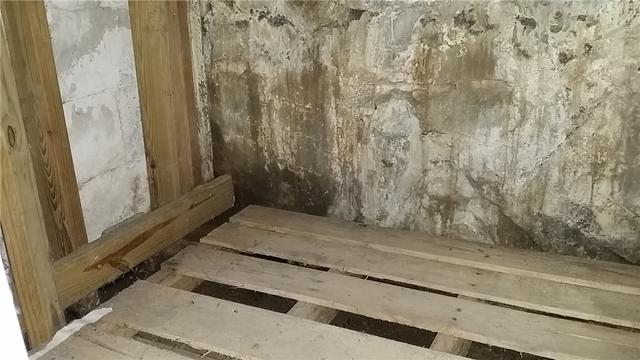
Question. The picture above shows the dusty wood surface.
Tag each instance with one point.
(247, 332)
(495, 325)
(450, 344)
(172, 279)
(117, 252)
(23, 226)
(533, 293)
(41, 105)
(313, 312)
(102, 341)
(305, 310)
(566, 269)
(167, 101)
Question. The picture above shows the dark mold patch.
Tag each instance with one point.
(520, 51)
(472, 21)
(589, 20)
(555, 28)
(229, 3)
(527, 22)
(387, 163)
(305, 182)
(557, 236)
(445, 206)
(556, 22)
(588, 48)
(279, 20)
(356, 14)
(273, 20)
(465, 19)
(565, 57)
(243, 24)
(511, 234)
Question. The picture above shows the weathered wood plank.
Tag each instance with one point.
(37, 83)
(564, 269)
(119, 339)
(167, 100)
(117, 252)
(450, 344)
(495, 325)
(80, 348)
(305, 310)
(313, 312)
(533, 293)
(102, 340)
(247, 332)
(172, 279)
(23, 226)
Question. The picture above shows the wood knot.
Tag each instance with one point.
(11, 136)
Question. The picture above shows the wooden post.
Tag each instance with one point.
(34, 68)
(167, 99)
(11, 336)
(21, 214)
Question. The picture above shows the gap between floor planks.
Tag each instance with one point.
(494, 325)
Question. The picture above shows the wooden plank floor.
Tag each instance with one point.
(545, 305)
(533, 293)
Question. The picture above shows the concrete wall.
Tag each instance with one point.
(513, 122)
(94, 58)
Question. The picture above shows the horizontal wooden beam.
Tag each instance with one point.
(115, 253)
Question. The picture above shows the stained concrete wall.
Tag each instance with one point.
(507, 122)
(94, 59)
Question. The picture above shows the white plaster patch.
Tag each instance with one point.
(106, 61)
(95, 135)
(93, 51)
(114, 196)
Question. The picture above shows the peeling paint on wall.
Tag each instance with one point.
(94, 59)
(514, 123)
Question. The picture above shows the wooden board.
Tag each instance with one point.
(172, 279)
(102, 341)
(115, 253)
(37, 83)
(167, 101)
(451, 344)
(80, 348)
(246, 332)
(494, 325)
(313, 312)
(23, 226)
(566, 269)
(533, 293)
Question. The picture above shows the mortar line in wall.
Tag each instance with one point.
(105, 172)
(114, 89)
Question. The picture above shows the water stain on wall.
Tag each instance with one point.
(505, 122)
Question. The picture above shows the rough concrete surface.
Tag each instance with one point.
(94, 59)
(507, 122)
